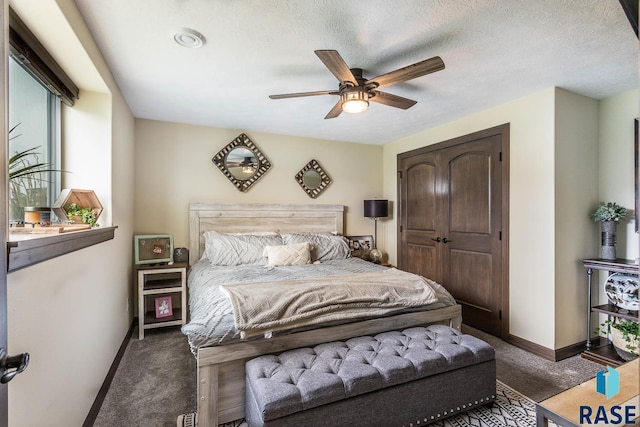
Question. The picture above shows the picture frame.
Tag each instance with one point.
(164, 307)
(153, 248)
(360, 246)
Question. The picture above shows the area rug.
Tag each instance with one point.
(510, 409)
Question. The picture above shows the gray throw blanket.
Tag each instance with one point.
(262, 308)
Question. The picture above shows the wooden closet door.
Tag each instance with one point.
(452, 211)
(470, 228)
(418, 220)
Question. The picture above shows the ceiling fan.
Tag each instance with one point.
(355, 92)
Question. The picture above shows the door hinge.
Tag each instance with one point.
(500, 158)
(499, 235)
(500, 314)
(401, 229)
(399, 174)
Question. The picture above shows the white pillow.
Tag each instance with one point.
(326, 246)
(229, 249)
(297, 254)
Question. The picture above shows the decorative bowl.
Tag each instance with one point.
(622, 291)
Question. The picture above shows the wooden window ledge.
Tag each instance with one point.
(29, 249)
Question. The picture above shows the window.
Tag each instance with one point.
(34, 143)
(37, 85)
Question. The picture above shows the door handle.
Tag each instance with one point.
(10, 366)
(445, 240)
(437, 239)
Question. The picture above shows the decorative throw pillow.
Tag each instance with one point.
(326, 247)
(230, 249)
(297, 254)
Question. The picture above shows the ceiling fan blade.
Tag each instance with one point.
(335, 111)
(392, 100)
(334, 62)
(409, 72)
(300, 94)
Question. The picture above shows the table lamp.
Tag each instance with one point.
(376, 209)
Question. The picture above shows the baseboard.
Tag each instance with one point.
(571, 350)
(102, 393)
(544, 352)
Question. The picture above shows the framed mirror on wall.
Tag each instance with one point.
(313, 179)
(242, 162)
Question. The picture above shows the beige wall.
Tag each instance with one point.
(616, 163)
(89, 163)
(173, 167)
(71, 313)
(576, 194)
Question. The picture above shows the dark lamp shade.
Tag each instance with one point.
(376, 208)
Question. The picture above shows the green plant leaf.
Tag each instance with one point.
(610, 211)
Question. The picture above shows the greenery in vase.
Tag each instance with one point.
(629, 331)
(88, 215)
(610, 211)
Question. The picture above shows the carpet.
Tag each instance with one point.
(510, 409)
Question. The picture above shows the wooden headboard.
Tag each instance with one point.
(249, 217)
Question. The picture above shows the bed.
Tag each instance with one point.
(221, 358)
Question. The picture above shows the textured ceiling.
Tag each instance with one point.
(494, 51)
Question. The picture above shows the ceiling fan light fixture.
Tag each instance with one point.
(187, 37)
(354, 101)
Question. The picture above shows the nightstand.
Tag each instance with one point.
(162, 296)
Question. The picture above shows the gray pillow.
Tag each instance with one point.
(326, 246)
(237, 249)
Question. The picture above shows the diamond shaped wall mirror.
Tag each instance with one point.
(242, 162)
(313, 179)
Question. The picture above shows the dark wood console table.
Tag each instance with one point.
(605, 353)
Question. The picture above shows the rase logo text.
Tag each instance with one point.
(608, 384)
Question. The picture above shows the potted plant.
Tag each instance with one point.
(77, 214)
(609, 214)
(609, 211)
(78, 206)
(624, 336)
(26, 177)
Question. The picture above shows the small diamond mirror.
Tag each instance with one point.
(242, 162)
(313, 179)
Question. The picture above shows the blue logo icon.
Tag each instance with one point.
(608, 382)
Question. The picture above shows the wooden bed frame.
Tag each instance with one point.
(221, 390)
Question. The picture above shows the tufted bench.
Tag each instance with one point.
(398, 378)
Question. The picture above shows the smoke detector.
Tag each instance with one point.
(187, 37)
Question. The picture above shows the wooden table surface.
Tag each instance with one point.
(567, 404)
